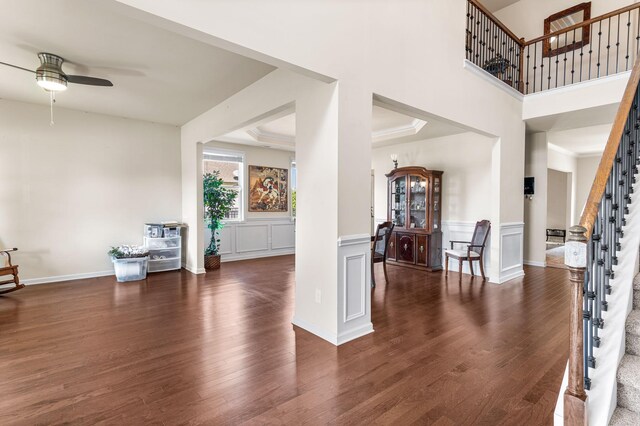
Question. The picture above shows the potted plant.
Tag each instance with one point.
(218, 201)
(129, 262)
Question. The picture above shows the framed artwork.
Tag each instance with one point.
(268, 189)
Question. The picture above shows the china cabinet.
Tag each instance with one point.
(414, 201)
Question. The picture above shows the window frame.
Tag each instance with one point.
(240, 186)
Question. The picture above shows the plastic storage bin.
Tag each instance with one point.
(164, 265)
(132, 269)
(162, 243)
(173, 231)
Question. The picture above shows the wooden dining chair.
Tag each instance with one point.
(473, 252)
(379, 247)
(8, 269)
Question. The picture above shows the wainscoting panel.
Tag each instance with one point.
(354, 287)
(252, 237)
(283, 236)
(255, 238)
(511, 250)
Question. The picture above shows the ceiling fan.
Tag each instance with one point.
(50, 77)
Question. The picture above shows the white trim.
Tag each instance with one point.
(251, 255)
(333, 338)
(71, 277)
(363, 285)
(476, 70)
(196, 271)
(512, 225)
(582, 84)
(355, 333)
(535, 263)
(511, 276)
(314, 329)
(409, 129)
(351, 240)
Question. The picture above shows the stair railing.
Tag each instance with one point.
(591, 249)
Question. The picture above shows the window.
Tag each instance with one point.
(231, 167)
(294, 184)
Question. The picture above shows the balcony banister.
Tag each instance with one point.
(496, 21)
(584, 23)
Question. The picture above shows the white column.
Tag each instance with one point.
(333, 154)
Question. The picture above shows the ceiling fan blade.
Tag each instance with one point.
(15, 66)
(90, 81)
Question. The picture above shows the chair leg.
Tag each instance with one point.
(471, 267)
(482, 269)
(373, 275)
(460, 261)
(384, 267)
(446, 265)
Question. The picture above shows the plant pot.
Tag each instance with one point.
(212, 262)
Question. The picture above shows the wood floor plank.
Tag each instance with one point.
(220, 349)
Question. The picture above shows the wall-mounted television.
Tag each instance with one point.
(529, 185)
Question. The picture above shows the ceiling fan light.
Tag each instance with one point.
(51, 81)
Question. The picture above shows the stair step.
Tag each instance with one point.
(629, 383)
(636, 299)
(636, 282)
(632, 346)
(624, 417)
(633, 323)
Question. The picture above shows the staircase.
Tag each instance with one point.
(628, 410)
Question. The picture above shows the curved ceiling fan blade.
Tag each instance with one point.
(15, 66)
(90, 81)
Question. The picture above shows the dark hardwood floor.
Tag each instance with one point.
(220, 349)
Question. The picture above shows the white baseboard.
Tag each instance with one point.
(355, 333)
(197, 271)
(314, 329)
(535, 263)
(511, 276)
(72, 277)
(248, 256)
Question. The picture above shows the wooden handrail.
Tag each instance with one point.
(583, 23)
(496, 21)
(590, 211)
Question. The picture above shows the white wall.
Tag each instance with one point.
(70, 191)
(558, 199)
(567, 162)
(535, 209)
(466, 182)
(586, 169)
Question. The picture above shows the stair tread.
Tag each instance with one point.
(633, 322)
(636, 282)
(629, 371)
(623, 417)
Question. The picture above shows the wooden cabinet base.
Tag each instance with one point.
(421, 267)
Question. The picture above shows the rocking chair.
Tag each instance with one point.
(9, 270)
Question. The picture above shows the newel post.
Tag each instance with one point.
(575, 398)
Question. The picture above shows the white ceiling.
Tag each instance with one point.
(388, 128)
(582, 141)
(495, 5)
(158, 76)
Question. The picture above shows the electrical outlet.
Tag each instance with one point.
(318, 296)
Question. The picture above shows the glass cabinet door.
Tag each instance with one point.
(436, 204)
(418, 202)
(399, 202)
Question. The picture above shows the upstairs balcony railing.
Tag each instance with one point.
(597, 47)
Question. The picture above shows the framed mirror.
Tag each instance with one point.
(571, 40)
